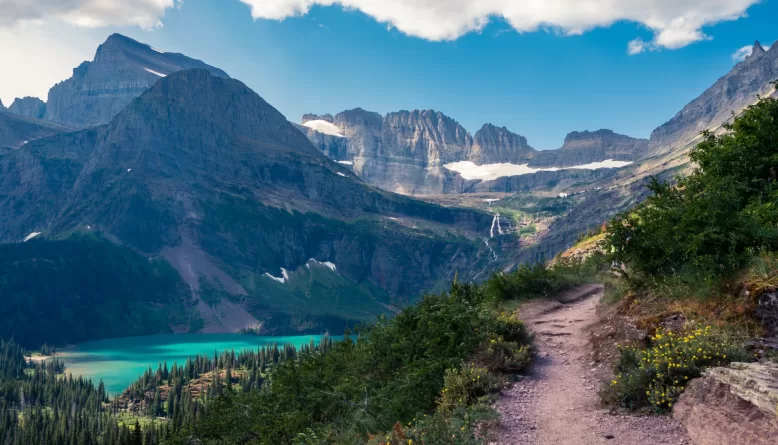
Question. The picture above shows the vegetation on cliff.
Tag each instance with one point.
(703, 249)
(85, 288)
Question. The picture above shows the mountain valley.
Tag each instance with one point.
(194, 168)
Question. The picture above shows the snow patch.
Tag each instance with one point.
(341, 174)
(282, 279)
(129, 170)
(155, 72)
(346, 162)
(25, 142)
(157, 50)
(488, 172)
(326, 264)
(31, 236)
(325, 127)
(608, 163)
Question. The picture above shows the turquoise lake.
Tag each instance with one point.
(120, 361)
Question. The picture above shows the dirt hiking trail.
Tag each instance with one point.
(558, 402)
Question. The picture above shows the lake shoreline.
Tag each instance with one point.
(118, 362)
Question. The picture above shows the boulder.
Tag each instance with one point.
(733, 405)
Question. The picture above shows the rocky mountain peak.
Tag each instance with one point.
(493, 144)
(28, 106)
(315, 117)
(357, 116)
(586, 137)
(729, 94)
(757, 51)
(207, 110)
(122, 70)
(2, 107)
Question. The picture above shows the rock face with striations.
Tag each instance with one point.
(29, 106)
(493, 145)
(17, 130)
(121, 71)
(737, 405)
(406, 152)
(730, 94)
(585, 147)
(203, 172)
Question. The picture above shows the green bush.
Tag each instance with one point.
(466, 386)
(707, 224)
(509, 350)
(542, 281)
(394, 371)
(654, 377)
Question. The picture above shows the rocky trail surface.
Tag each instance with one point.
(558, 402)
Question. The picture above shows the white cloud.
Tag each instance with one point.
(35, 57)
(87, 13)
(636, 46)
(675, 23)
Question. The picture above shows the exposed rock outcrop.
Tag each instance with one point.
(493, 145)
(730, 94)
(28, 106)
(406, 151)
(315, 117)
(121, 71)
(737, 405)
(17, 130)
(585, 147)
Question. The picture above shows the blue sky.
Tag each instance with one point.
(541, 84)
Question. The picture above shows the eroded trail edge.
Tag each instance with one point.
(558, 402)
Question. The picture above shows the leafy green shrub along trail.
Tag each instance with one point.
(710, 223)
(391, 372)
(703, 247)
(654, 377)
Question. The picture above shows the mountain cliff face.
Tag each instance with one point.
(17, 130)
(493, 145)
(121, 71)
(406, 151)
(201, 171)
(29, 106)
(730, 94)
(584, 147)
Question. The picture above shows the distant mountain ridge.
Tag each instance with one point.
(17, 130)
(406, 151)
(122, 70)
(716, 105)
(28, 106)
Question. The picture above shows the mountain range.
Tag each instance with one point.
(408, 151)
(202, 172)
(301, 228)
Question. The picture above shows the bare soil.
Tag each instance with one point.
(558, 402)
